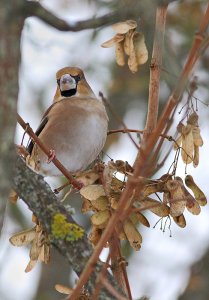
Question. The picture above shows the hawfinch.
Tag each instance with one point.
(74, 127)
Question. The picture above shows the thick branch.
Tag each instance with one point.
(123, 13)
(37, 194)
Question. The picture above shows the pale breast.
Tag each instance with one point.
(77, 131)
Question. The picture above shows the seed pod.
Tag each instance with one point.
(178, 143)
(23, 238)
(187, 145)
(132, 234)
(180, 221)
(92, 192)
(191, 204)
(30, 265)
(156, 207)
(86, 206)
(140, 48)
(132, 60)
(142, 219)
(124, 27)
(127, 42)
(196, 156)
(193, 119)
(94, 235)
(120, 54)
(198, 141)
(177, 198)
(116, 39)
(198, 193)
(100, 203)
(100, 219)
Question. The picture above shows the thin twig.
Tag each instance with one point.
(155, 68)
(119, 120)
(55, 161)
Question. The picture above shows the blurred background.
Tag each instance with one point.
(162, 268)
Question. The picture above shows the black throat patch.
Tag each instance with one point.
(68, 93)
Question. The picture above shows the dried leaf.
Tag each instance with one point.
(92, 192)
(23, 238)
(198, 193)
(132, 234)
(124, 27)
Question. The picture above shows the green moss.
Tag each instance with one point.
(61, 229)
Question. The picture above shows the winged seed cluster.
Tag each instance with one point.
(128, 41)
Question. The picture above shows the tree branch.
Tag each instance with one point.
(37, 194)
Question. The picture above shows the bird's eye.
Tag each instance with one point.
(76, 77)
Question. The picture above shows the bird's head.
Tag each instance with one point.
(71, 82)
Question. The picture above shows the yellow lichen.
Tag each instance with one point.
(62, 229)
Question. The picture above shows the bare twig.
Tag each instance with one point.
(119, 120)
(155, 67)
(55, 161)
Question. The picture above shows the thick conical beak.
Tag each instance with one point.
(67, 82)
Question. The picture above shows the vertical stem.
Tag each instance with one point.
(155, 67)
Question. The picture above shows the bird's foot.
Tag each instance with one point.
(52, 155)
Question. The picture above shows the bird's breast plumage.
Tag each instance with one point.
(76, 130)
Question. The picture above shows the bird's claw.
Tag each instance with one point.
(52, 155)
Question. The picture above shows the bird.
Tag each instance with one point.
(74, 127)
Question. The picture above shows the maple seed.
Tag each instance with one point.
(198, 193)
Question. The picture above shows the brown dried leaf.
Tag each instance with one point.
(92, 192)
(124, 27)
(180, 221)
(198, 193)
(23, 238)
(100, 219)
(132, 234)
